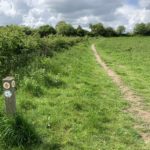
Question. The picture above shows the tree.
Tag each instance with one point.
(65, 29)
(80, 31)
(97, 29)
(121, 30)
(140, 29)
(27, 30)
(148, 28)
(110, 32)
(46, 30)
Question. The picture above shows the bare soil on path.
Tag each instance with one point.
(137, 107)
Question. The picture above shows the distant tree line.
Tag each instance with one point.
(142, 29)
(66, 29)
(98, 29)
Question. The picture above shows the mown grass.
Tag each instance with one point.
(78, 107)
(130, 58)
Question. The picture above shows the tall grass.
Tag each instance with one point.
(16, 131)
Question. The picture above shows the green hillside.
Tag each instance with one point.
(65, 100)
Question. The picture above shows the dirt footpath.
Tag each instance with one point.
(137, 108)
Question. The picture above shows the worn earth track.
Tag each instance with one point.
(137, 108)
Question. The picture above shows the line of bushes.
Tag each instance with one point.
(98, 29)
(18, 50)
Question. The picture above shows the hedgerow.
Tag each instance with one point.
(18, 50)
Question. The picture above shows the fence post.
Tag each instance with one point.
(9, 94)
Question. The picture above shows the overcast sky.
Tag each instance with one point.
(39, 12)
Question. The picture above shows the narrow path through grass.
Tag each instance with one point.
(137, 106)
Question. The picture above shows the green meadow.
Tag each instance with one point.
(68, 102)
(130, 58)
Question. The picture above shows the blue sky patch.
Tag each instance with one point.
(133, 2)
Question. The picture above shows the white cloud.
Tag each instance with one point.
(38, 12)
(7, 8)
(145, 4)
(130, 15)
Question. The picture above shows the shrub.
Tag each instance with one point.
(19, 48)
(46, 30)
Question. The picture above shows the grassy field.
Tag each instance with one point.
(130, 58)
(73, 105)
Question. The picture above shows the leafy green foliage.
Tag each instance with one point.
(110, 32)
(46, 30)
(140, 29)
(27, 30)
(65, 29)
(97, 29)
(80, 32)
(121, 30)
(18, 49)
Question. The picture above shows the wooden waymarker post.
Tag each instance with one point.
(9, 94)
